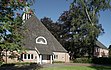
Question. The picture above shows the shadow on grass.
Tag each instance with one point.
(100, 67)
(32, 66)
(101, 63)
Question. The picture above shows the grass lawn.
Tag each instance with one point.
(78, 68)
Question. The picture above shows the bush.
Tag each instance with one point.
(1, 63)
(8, 65)
(102, 60)
(20, 66)
(82, 60)
(58, 62)
(22, 63)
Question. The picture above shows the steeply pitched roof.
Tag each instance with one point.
(99, 44)
(33, 28)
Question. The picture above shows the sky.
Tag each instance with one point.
(54, 8)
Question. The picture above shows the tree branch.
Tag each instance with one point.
(89, 18)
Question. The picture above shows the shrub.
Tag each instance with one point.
(82, 60)
(20, 66)
(22, 63)
(58, 62)
(8, 65)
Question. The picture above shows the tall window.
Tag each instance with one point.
(31, 56)
(21, 56)
(25, 56)
(28, 56)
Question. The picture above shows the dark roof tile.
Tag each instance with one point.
(99, 44)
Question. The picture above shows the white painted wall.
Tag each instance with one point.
(100, 52)
(35, 56)
(64, 57)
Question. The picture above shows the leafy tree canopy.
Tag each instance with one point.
(11, 22)
(81, 23)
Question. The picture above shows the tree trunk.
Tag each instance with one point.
(6, 56)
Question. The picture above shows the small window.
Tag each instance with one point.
(56, 56)
(31, 56)
(25, 56)
(28, 56)
(35, 57)
(41, 40)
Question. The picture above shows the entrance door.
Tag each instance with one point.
(46, 59)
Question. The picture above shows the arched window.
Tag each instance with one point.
(41, 40)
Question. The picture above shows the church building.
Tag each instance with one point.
(42, 46)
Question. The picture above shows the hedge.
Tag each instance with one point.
(82, 60)
(102, 60)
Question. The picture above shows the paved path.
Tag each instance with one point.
(69, 64)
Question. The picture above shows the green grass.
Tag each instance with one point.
(78, 68)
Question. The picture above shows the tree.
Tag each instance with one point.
(81, 23)
(10, 24)
(53, 27)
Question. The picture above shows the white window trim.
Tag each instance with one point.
(27, 56)
(41, 41)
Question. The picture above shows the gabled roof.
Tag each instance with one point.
(33, 28)
(100, 45)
